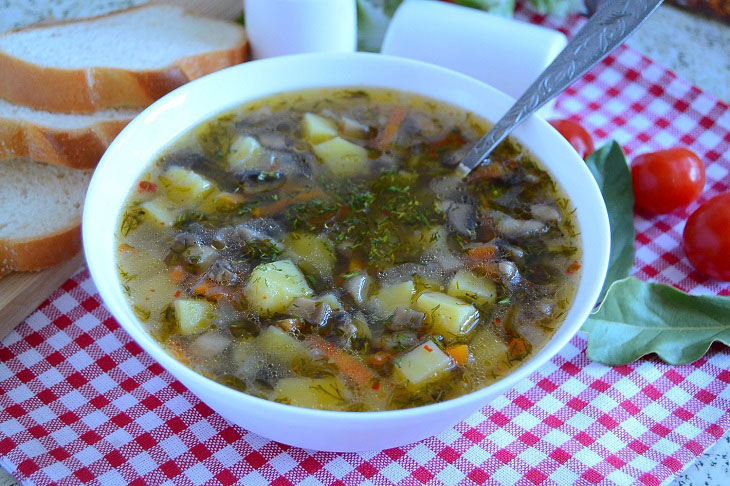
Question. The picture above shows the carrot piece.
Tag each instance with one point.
(482, 253)
(493, 170)
(349, 365)
(518, 348)
(203, 287)
(125, 247)
(459, 353)
(574, 267)
(486, 268)
(280, 205)
(391, 128)
(178, 353)
(178, 274)
(210, 290)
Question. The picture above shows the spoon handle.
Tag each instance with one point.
(612, 23)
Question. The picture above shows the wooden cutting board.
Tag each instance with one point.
(22, 293)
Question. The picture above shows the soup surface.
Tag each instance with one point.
(315, 249)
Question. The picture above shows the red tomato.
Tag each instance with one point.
(667, 180)
(707, 238)
(576, 135)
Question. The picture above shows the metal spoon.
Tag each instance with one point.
(613, 22)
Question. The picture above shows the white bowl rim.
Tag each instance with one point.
(565, 332)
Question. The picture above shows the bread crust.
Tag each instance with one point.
(39, 253)
(75, 148)
(94, 89)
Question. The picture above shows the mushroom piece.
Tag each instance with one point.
(183, 241)
(264, 229)
(516, 228)
(508, 273)
(406, 319)
(445, 187)
(256, 181)
(273, 140)
(222, 272)
(461, 216)
(397, 341)
(545, 213)
(342, 322)
(315, 312)
(358, 287)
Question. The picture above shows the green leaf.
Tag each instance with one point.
(500, 7)
(560, 8)
(637, 318)
(611, 171)
(373, 17)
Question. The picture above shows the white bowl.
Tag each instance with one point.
(160, 124)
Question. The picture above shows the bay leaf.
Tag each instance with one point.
(611, 171)
(637, 318)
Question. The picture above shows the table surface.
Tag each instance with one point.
(687, 44)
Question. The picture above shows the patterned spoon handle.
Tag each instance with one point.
(613, 22)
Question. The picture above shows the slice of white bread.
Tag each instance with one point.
(40, 214)
(126, 59)
(76, 141)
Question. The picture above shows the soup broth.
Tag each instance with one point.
(316, 249)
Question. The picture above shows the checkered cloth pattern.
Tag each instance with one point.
(81, 402)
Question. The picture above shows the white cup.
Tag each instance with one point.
(280, 27)
(504, 53)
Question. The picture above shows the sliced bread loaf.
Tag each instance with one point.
(40, 214)
(76, 141)
(126, 59)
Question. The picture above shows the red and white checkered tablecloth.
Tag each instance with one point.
(81, 402)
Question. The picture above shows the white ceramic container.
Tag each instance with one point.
(505, 53)
(281, 27)
(176, 113)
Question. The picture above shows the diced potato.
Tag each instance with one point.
(223, 202)
(151, 294)
(322, 393)
(243, 349)
(314, 254)
(138, 263)
(489, 351)
(331, 300)
(160, 210)
(272, 287)
(184, 187)
(473, 288)
(193, 316)
(279, 345)
(243, 152)
(428, 284)
(448, 316)
(199, 258)
(398, 295)
(435, 236)
(343, 158)
(318, 129)
(422, 365)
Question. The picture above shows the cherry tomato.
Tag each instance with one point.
(707, 238)
(576, 135)
(667, 180)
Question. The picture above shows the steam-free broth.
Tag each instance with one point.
(316, 249)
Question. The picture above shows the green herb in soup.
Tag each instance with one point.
(316, 249)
